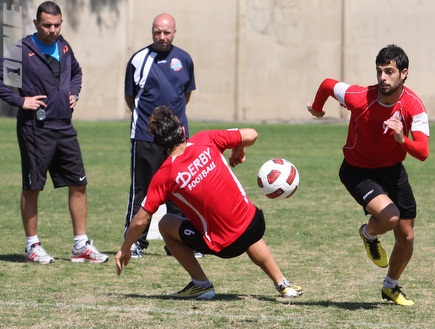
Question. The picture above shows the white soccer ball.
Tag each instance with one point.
(278, 179)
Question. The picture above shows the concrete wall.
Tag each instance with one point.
(255, 60)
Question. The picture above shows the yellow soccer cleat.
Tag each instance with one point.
(289, 291)
(396, 295)
(374, 250)
(192, 291)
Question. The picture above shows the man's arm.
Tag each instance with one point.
(326, 90)
(76, 77)
(12, 97)
(237, 155)
(130, 102)
(187, 95)
(137, 226)
(418, 146)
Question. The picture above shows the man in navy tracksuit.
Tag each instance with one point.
(159, 74)
(48, 82)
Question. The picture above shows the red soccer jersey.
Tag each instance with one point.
(201, 183)
(369, 143)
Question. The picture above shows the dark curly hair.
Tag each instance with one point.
(166, 128)
(393, 53)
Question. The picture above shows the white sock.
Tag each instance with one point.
(80, 241)
(31, 240)
(284, 283)
(368, 236)
(202, 284)
(390, 283)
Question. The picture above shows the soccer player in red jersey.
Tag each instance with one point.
(382, 117)
(220, 218)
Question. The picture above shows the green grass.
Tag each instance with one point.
(313, 235)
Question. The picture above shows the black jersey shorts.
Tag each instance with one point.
(192, 237)
(49, 150)
(364, 184)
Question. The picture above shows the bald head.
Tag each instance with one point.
(163, 31)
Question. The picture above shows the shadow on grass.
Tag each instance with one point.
(350, 306)
(13, 258)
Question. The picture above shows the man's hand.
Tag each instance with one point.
(122, 259)
(237, 156)
(73, 101)
(33, 103)
(397, 127)
(316, 114)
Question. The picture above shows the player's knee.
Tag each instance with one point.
(169, 224)
(404, 236)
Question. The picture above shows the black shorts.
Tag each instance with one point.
(365, 184)
(192, 237)
(55, 151)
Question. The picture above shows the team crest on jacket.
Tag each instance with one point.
(176, 64)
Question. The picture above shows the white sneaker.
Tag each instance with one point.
(37, 254)
(88, 254)
(136, 251)
(199, 254)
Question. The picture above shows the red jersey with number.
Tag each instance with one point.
(370, 144)
(201, 183)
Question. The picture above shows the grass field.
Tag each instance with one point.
(313, 235)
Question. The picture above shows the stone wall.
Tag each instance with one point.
(255, 60)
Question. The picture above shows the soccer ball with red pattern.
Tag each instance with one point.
(278, 179)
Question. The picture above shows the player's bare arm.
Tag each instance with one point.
(187, 95)
(129, 100)
(134, 231)
(237, 155)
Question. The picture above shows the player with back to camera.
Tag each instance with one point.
(381, 118)
(221, 219)
(51, 80)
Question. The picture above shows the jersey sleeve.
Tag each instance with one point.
(418, 146)
(129, 85)
(190, 67)
(329, 88)
(223, 139)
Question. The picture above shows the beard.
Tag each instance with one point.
(387, 91)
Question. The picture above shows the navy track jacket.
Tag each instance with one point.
(35, 77)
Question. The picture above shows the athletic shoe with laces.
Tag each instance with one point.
(289, 290)
(396, 295)
(88, 254)
(37, 254)
(374, 250)
(193, 291)
(136, 250)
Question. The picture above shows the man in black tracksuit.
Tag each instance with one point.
(47, 84)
